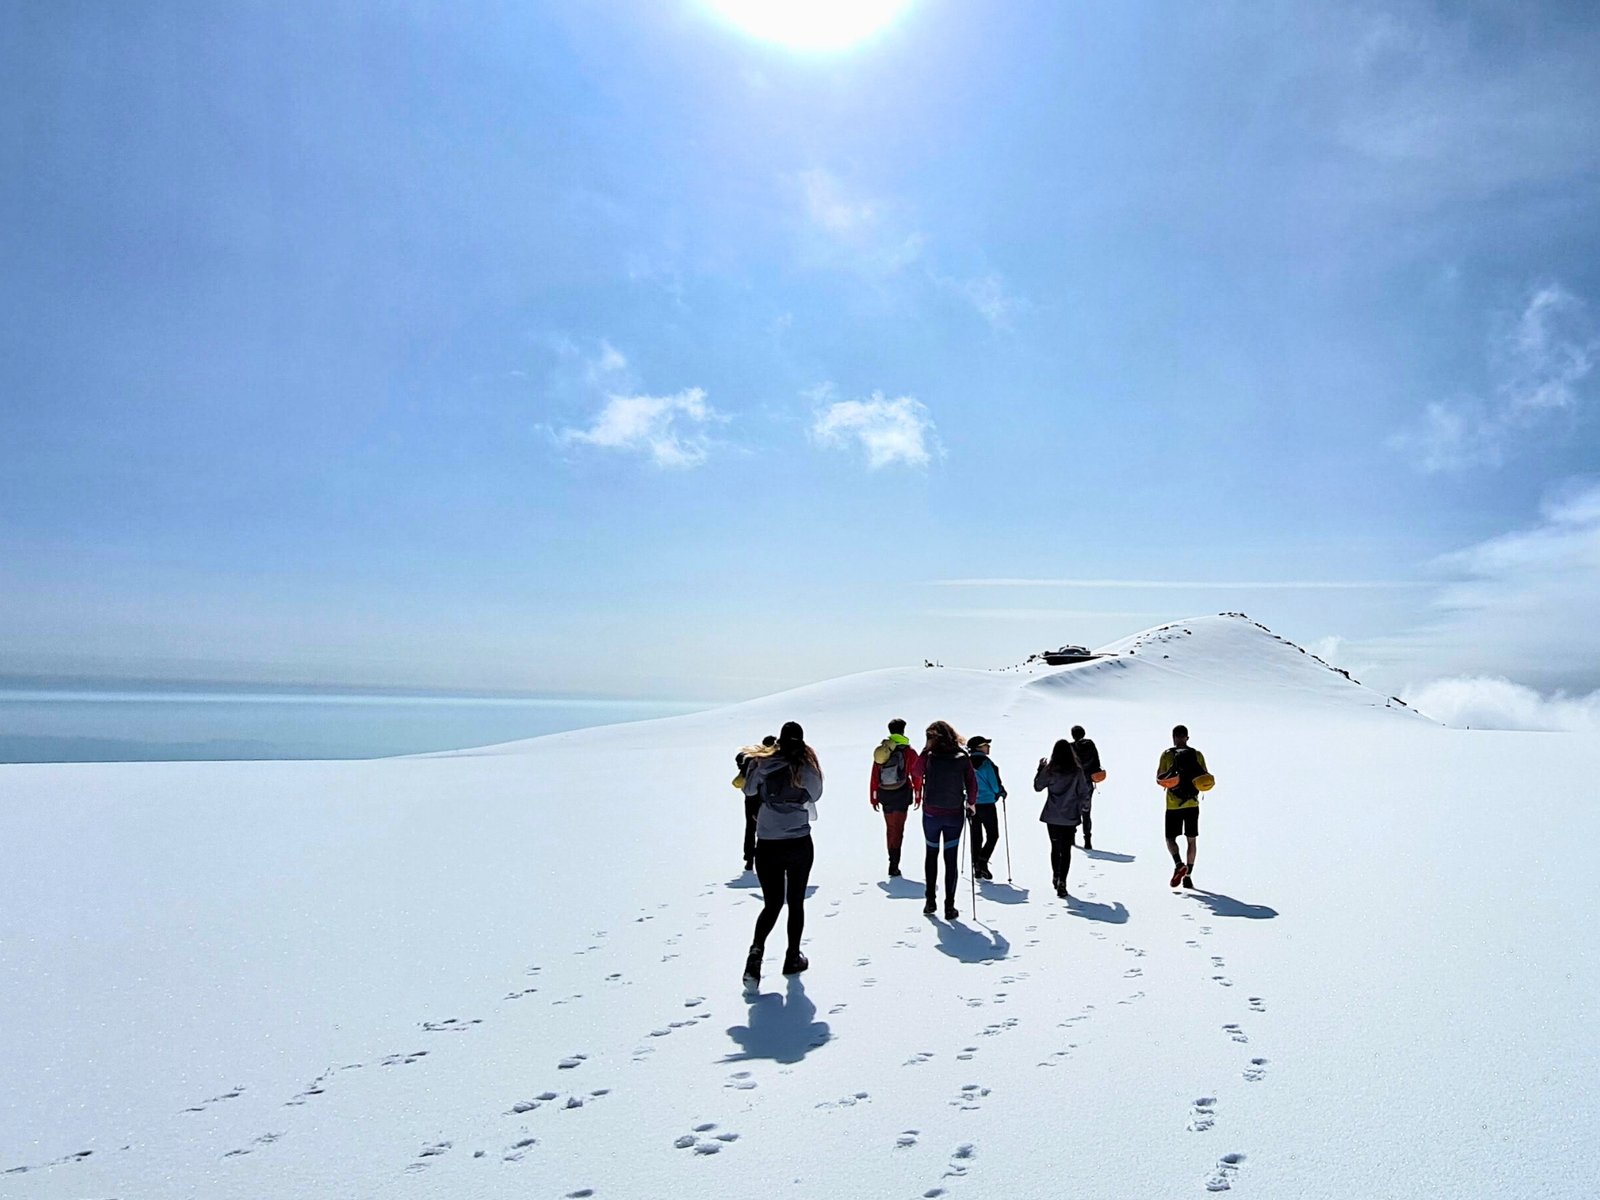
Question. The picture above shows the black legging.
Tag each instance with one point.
(752, 806)
(783, 865)
(1061, 849)
(985, 833)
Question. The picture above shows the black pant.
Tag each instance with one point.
(1061, 850)
(985, 833)
(783, 865)
(752, 806)
(1088, 825)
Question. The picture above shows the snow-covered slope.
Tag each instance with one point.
(514, 971)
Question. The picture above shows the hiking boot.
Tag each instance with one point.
(951, 912)
(1178, 872)
(794, 962)
(1061, 888)
(749, 865)
(1188, 882)
(930, 906)
(752, 967)
(894, 871)
(1088, 844)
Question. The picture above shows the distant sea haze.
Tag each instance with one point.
(119, 724)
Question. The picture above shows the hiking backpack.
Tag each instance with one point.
(892, 771)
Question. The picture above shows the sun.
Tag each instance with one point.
(810, 24)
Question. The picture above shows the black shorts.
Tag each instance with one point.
(1183, 820)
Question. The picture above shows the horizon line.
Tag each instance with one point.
(1186, 584)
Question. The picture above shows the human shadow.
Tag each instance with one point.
(1227, 906)
(1002, 893)
(1110, 856)
(781, 1027)
(898, 887)
(971, 945)
(1111, 914)
(752, 885)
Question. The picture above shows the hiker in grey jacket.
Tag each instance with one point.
(1067, 789)
(788, 782)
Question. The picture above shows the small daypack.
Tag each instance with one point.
(892, 771)
(779, 787)
(1186, 766)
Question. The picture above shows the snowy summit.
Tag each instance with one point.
(516, 971)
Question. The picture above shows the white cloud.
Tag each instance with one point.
(1536, 365)
(1521, 605)
(890, 431)
(671, 430)
(1492, 702)
(988, 294)
(828, 204)
(858, 233)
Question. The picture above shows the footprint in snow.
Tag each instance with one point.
(1202, 1114)
(1221, 1179)
(1235, 1032)
(1132, 973)
(451, 1025)
(1257, 1004)
(917, 1059)
(580, 1194)
(705, 1145)
(969, 1097)
(837, 1009)
(849, 1101)
(521, 994)
(694, 1001)
(1216, 960)
(576, 1060)
(1256, 1071)
(1223, 980)
(740, 1081)
(966, 1053)
(907, 1139)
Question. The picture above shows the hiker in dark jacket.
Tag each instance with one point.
(894, 786)
(949, 791)
(985, 820)
(1089, 755)
(788, 782)
(1062, 778)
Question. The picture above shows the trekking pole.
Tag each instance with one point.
(973, 874)
(1006, 822)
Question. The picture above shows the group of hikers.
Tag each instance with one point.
(955, 782)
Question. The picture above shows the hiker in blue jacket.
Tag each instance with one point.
(985, 819)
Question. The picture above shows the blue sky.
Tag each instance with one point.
(607, 348)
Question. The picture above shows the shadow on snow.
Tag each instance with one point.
(1227, 906)
(971, 945)
(901, 888)
(1110, 856)
(1111, 914)
(781, 1027)
(1001, 893)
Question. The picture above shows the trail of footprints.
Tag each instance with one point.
(706, 1138)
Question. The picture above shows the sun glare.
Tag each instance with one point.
(810, 24)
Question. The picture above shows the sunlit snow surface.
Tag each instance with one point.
(515, 972)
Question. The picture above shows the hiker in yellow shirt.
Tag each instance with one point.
(1182, 771)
